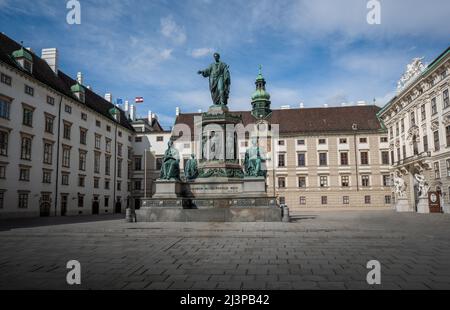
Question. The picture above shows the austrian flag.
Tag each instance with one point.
(139, 100)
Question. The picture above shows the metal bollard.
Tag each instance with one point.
(128, 216)
(286, 214)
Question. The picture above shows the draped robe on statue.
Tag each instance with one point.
(219, 82)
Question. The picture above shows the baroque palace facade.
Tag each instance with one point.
(418, 121)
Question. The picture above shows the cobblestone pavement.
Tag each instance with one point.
(322, 250)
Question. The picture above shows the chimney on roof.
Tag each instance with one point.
(108, 97)
(154, 116)
(285, 107)
(80, 78)
(302, 105)
(177, 111)
(361, 103)
(150, 117)
(199, 110)
(343, 104)
(132, 113)
(325, 105)
(50, 55)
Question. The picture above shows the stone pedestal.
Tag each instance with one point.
(167, 189)
(422, 206)
(402, 205)
(446, 208)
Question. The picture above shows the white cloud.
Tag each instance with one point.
(170, 29)
(201, 52)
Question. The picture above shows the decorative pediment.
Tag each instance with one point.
(413, 132)
(413, 70)
(397, 143)
(446, 119)
(435, 125)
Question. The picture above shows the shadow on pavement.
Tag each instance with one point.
(8, 224)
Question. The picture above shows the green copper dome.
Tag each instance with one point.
(260, 94)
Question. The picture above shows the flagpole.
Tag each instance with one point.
(145, 173)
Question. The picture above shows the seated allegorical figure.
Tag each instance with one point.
(191, 169)
(255, 158)
(170, 169)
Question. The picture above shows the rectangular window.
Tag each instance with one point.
(65, 179)
(4, 108)
(413, 118)
(138, 139)
(301, 162)
(2, 172)
(108, 145)
(437, 170)
(82, 161)
(137, 185)
(80, 201)
(119, 168)
(25, 151)
(448, 167)
(159, 162)
(46, 176)
(108, 128)
(159, 138)
(2, 199)
(48, 153)
(97, 162)
(24, 174)
(83, 116)
(281, 142)
(302, 182)
(387, 199)
(106, 202)
(98, 140)
(399, 154)
(50, 100)
(81, 179)
(323, 181)
(323, 160)
(29, 90)
(437, 146)
(433, 106)
(367, 200)
(345, 181)
(282, 182)
(281, 160)
(447, 135)
(346, 200)
(301, 142)
(83, 136)
(386, 180)
(68, 109)
(402, 125)
(324, 200)
(383, 139)
(302, 200)
(343, 141)
(27, 119)
(322, 141)
(365, 180)
(4, 135)
(344, 158)
(106, 184)
(363, 140)
(67, 130)
(446, 99)
(364, 158)
(49, 121)
(119, 149)
(98, 123)
(6, 79)
(96, 182)
(425, 143)
(423, 112)
(137, 163)
(119, 186)
(23, 200)
(66, 157)
(107, 164)
(385, 157)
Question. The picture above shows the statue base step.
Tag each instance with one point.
(422, 206)
(209, 210)
(402, 205)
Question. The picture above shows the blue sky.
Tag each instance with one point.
(317, 52)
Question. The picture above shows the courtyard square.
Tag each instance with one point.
(317, 250)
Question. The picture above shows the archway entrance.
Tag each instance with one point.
(118, 208)
(45, 209)
(95, 207)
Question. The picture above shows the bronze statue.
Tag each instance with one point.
(219, 81)
(254, 160)
(170, 169)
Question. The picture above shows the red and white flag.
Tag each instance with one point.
(139, 100)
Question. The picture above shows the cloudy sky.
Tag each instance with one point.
(317, 52)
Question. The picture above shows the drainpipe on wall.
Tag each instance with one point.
(57, 156)
(355, 129)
